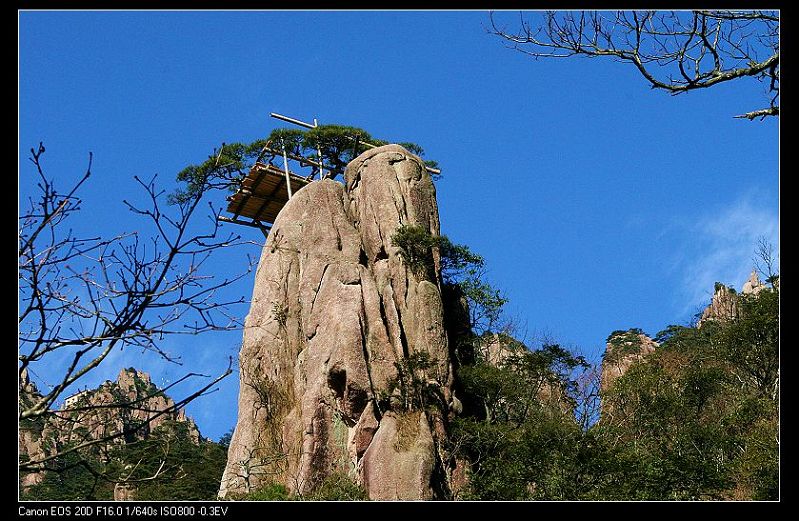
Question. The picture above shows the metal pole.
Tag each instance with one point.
(219, 155)
(291, 120)
(286, 168)
(244, 223)
(319, 154)
(300, 159)
(308, 125)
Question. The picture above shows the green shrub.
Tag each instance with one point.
(416, 248)
(268, 492)
(338, 487)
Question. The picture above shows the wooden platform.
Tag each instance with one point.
(263, 193)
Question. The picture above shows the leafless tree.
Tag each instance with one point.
(587, 396)
(765, 261)
(83, 297)
(675, 51)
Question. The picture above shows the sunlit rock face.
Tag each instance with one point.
(334, 309)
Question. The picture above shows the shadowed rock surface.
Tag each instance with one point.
(333, 309)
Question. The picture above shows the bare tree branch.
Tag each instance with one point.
(37, 465)
(762, 113)
(675, 51)
(83, 297)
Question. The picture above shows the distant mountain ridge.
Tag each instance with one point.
(626, 348)
(131, 406)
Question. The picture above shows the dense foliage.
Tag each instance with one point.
(697, 419)
(519, 432)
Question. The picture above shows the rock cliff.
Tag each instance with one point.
(335, 318)
(623, 349)
(724, 304)
(89, 415)
(33, 434)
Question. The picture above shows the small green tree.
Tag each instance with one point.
(225, 439)
(414, 388)
(460, 267)
(338, 487)
(223, 169)
(268, 492)
(416, 246)
(339, 144)
(335, 487)
(227, 166)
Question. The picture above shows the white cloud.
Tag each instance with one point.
(719, 246)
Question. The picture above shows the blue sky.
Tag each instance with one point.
(598, 203)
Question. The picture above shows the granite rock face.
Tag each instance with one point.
(32, 434)
(334, 313)
(753, 285)
(622, 351)
(724, 304)
(130, 386)
(87, 416)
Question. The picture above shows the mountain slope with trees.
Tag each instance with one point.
(156, 458)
